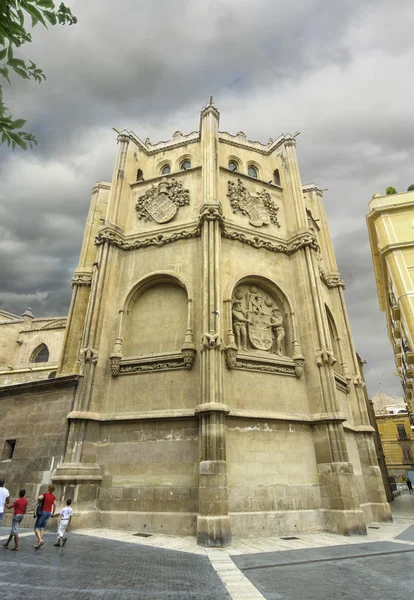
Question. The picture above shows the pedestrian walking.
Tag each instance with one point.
(65, 520)
(409, 485)
(48, 500)
(4, 498)
(20, 507)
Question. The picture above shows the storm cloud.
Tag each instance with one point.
(338, 72)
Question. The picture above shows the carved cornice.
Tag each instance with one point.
(129, 135)
(290, 246)
(81, 280)
(114, 238)
(290, 142)
(249, 144)
(232, 232)
(262, 364)
(100, 186)
(332, 280)
(152, 364)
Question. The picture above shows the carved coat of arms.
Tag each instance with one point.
(160, 203)
(260, 209)
(258, 328)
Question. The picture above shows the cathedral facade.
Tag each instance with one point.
(206, 381)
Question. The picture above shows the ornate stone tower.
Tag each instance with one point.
(219, 390)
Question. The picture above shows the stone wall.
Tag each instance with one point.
(34, 415)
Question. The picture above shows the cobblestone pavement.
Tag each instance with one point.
(89, 568)
(104, 563)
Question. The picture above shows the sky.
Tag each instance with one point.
(338, 72)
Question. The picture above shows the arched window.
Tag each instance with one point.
(276, 177)
(185, 165)
(166, 170)
(233, 166)
(252, 171)
(140, 175)
(40, 355)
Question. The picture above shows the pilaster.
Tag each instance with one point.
(213, 522)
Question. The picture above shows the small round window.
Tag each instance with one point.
(185, 165)
(165, 170)
(252, 172)
(233, 166)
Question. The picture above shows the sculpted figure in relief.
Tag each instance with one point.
(239, 325)
(276, 322)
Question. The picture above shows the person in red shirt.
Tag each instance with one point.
(20, 507)
(48, 509)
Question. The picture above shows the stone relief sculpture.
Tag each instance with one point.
(257, 320)
(256, 326)
(260, 209)
(160, 203)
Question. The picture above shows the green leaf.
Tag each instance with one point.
(5, 73)
(3, 53)
(20, 72)
(19, 123)
(16, 62)
(35, 14)
(17, 138)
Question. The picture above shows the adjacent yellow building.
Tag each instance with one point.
(391, 234)
(398, 443)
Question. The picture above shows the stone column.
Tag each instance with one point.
(213, 522)
(338, 490)
(73, 471)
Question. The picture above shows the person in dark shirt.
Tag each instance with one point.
(48, 509)
(409, 485)
(20, 507)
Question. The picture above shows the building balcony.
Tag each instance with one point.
(398, 360)
(397, 347)
(397, 332)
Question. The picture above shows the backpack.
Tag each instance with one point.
(39, 509)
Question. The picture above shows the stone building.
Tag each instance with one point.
(207, 381)
(390, 228)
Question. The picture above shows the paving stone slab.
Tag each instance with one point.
(88, 568)
(287, 557)
(372, 571)
(407, 535)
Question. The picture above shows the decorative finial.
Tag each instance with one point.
(211, 100)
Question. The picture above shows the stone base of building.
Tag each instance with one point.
(151, 522)
(345, 522)
(214, 531)
(378, 512)
(277, 523)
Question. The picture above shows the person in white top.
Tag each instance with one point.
(65, 519)
(4, 498)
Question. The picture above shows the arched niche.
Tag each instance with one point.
(260, 326)
(155, 326)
